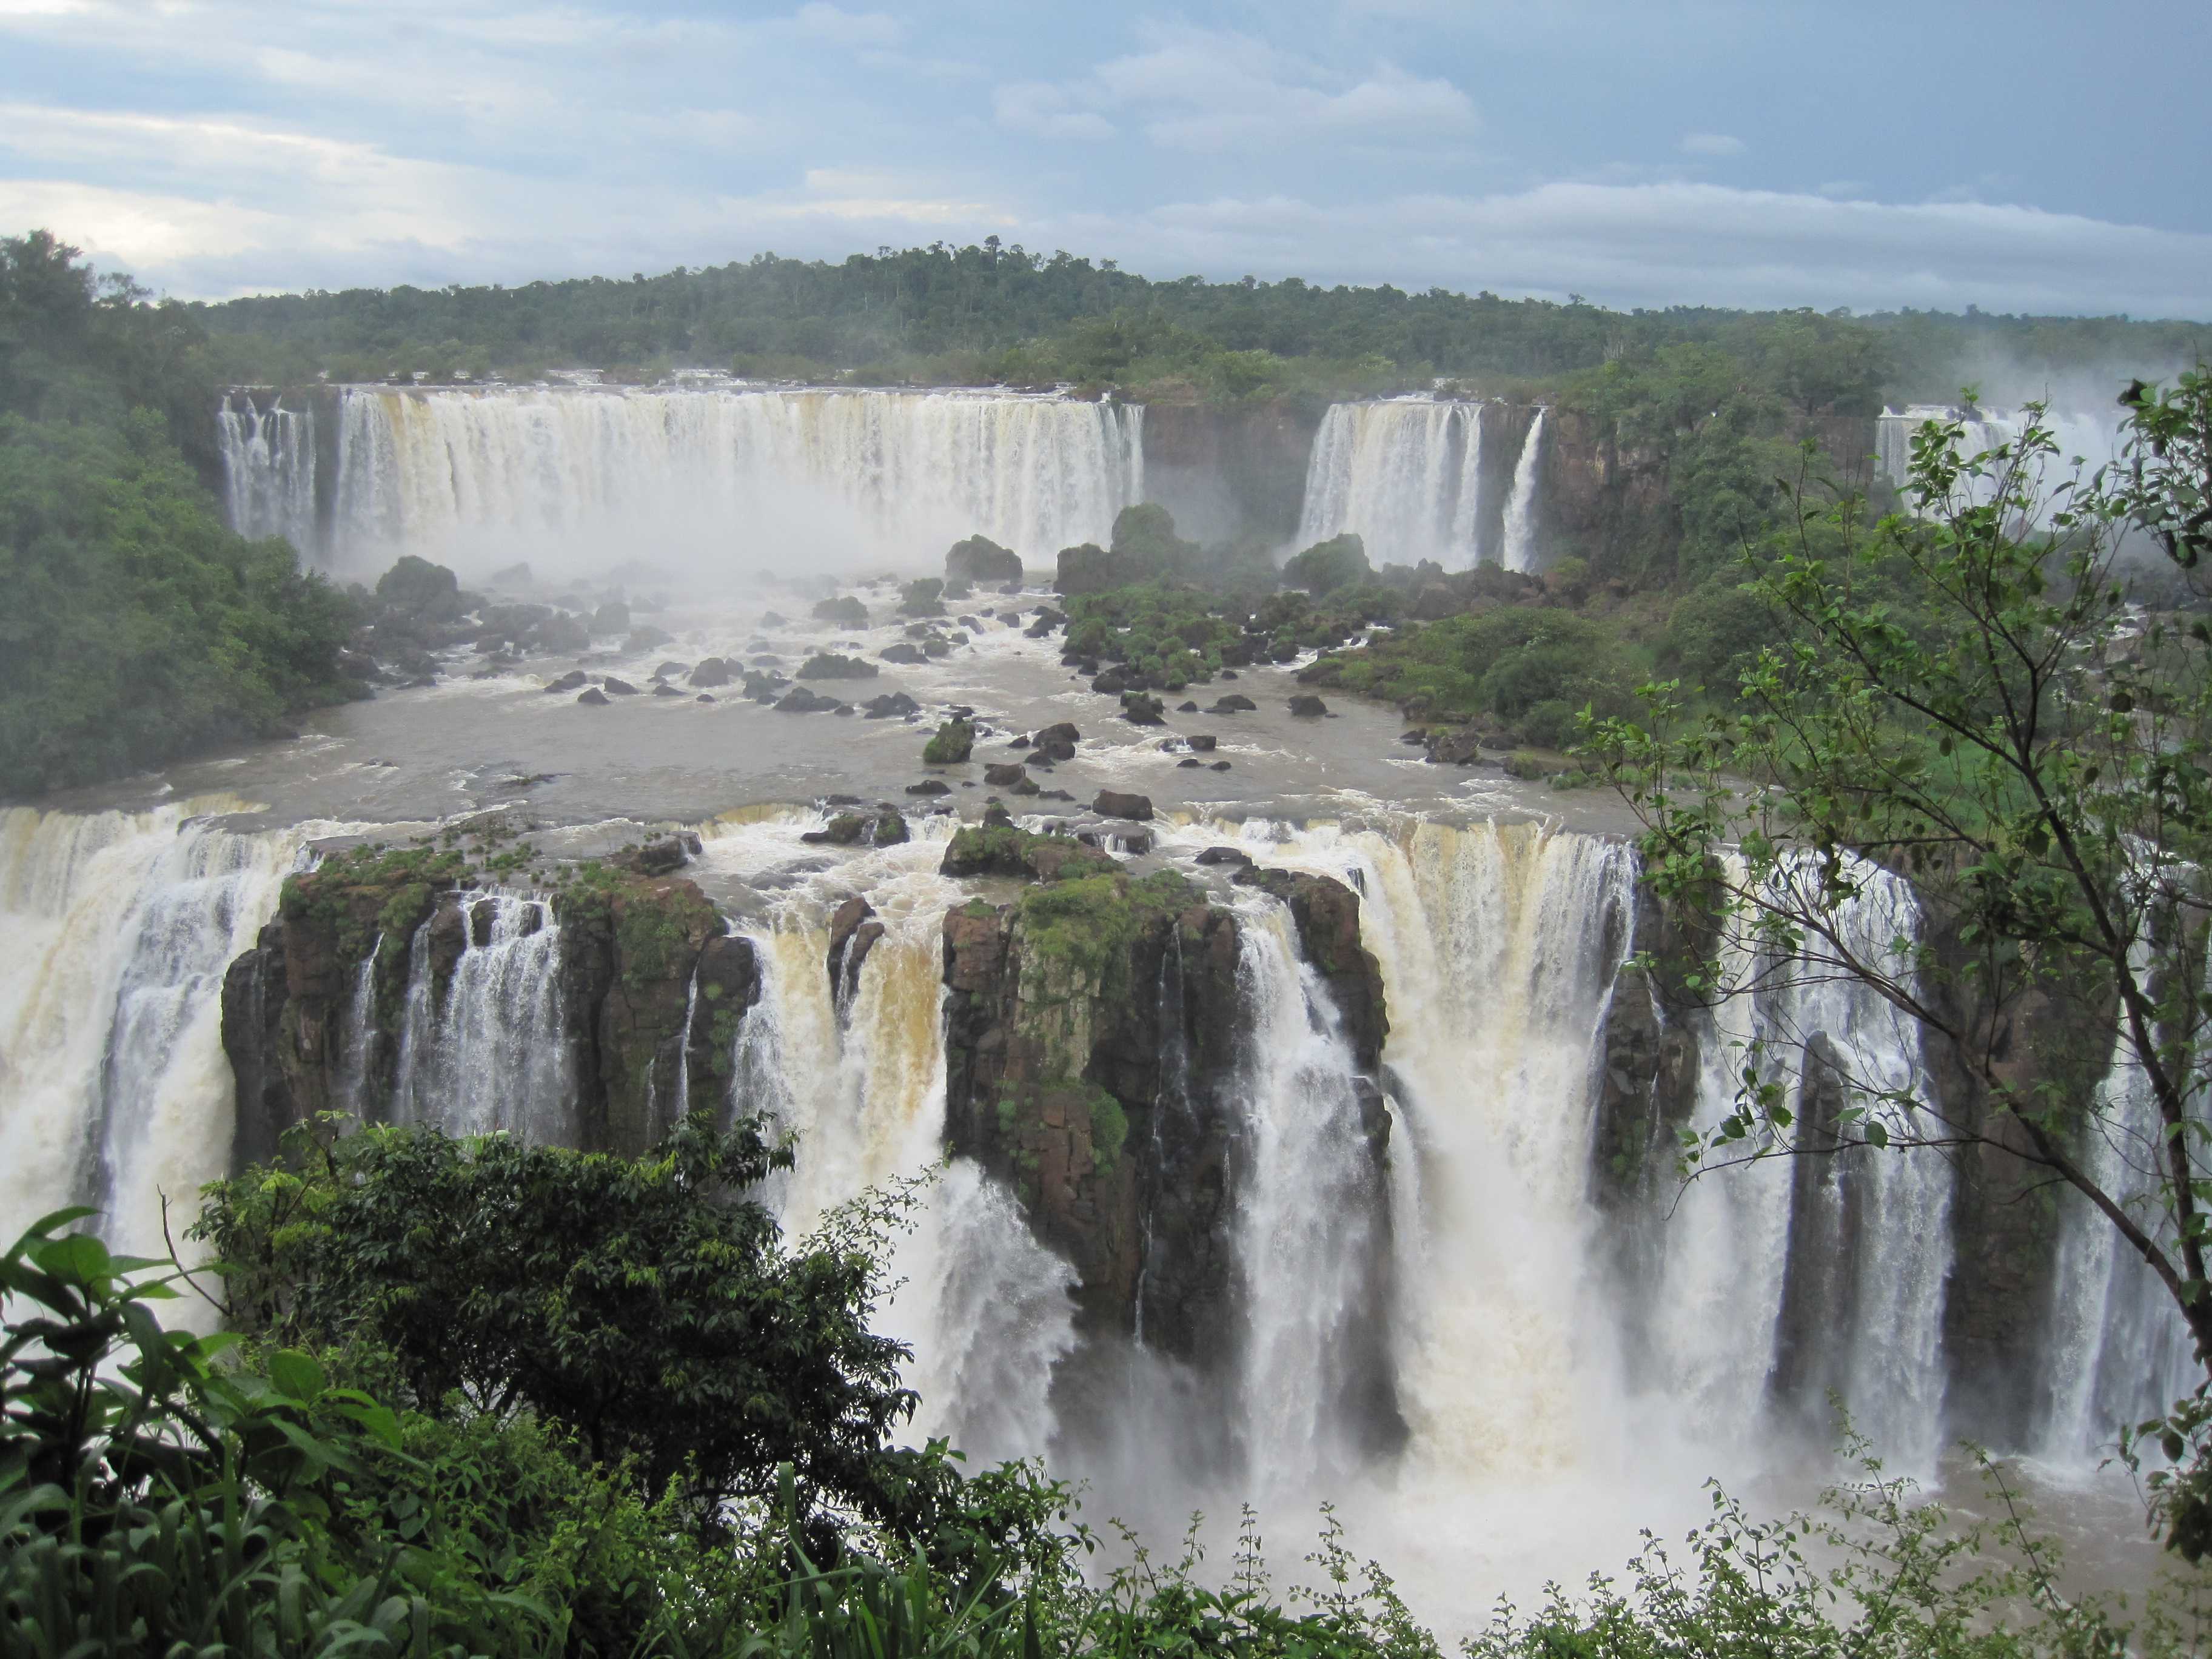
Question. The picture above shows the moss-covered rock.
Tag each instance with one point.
(954, 742)
(1001, 849)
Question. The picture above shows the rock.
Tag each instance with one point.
(646, 636)
(1229, 674)
(1111, 683)
(901, 653)
(1222, 855)
(845, 611)
(1064, 732)
(615, 688)
(878, 829)
(668, 671)
(1231, 703)
(929, 786)
(1186, 708)
(954, 742)
(510, 575)
(854, 931)
(980, 559)
(1326, 914)
(1190, 760)
(561, 633)
(996, 848)
(706, 697)
(1201, 744)
(1219, 766)
(710, 672)
(774, 619)
(662, 688)
(1309, 706)
(1453, 746)
(428, 591)
(660, 858)
(592, 695)
(1005, 776)
(890, 705)
(612, 618)
(567, 682)
(767, 659)
(1111, 804)
(803, 701)
(1053, 795)
(829, 665)
(1138, 710)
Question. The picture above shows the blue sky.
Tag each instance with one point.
(2019, 156)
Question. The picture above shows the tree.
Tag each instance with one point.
(1967, 699)
(648, 1305)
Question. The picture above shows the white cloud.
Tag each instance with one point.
(1663, 244)
(1711, 143)
(1206, 90)
(867, 28)
(1046, 111)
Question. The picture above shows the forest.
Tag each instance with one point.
(987, 314)
(137, 626)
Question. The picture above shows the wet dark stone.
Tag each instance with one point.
(592, 695)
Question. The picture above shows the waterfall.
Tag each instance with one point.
(269, 469)
(1521, 549)
(2118, 1351)
(491, 1053)
(113, 1088)
(1308, 1216)
(1405, 475)
(2092, 437)
(1826, 1271)
(725, 474)
(986, 1307)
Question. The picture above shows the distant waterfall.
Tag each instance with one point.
(1424, 478)
(727, 477)
(2091, 438)
(1520, 548)
(1405, 475)
(113, 1088)
(269, 469)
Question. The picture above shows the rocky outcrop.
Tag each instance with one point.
(312, 1016)
(1091, 1028)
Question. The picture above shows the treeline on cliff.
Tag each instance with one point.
(992, 315)
(135, 625)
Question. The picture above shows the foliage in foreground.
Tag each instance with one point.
(165, 1494)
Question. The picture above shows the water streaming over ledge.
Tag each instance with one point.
(719, 476)
(1534, 1341)
(1428, 479)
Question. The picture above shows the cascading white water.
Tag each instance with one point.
(1521, 527)
(491, 1054)
(2119, 1352)
(2091, 437)
(727, 476)
(269, 469)
(1406, 475)
(1306, 1219)
(986, 1307)
(113, 1088)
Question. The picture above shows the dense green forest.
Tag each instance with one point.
(991, 314)
(136, 625)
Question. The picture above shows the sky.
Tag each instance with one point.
(2036, 156)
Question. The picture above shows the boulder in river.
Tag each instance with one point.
(929, 786)
(1111, 803)
(615, 688)
(591, 694)
(1231, 703)
(1006, 775)
(1308, 705)
(567, 682)
(1138, 710)
(710, 672)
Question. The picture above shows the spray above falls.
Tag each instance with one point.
(714, 477)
